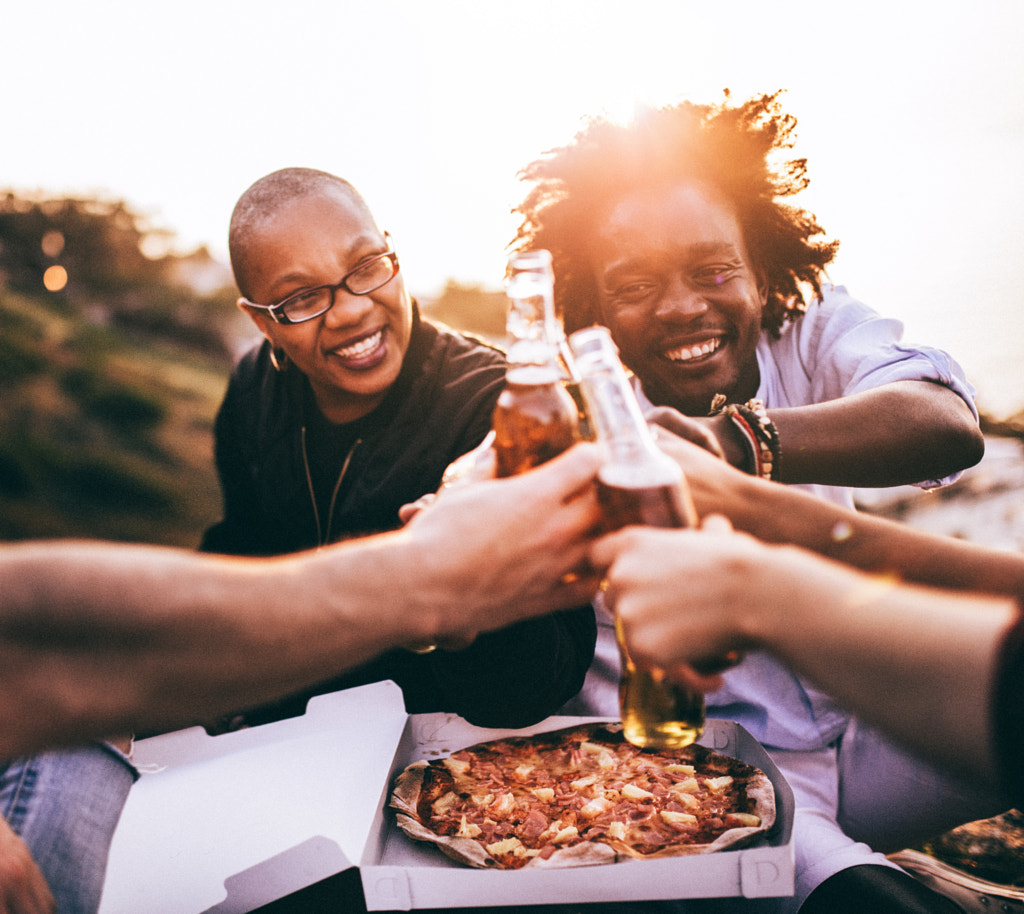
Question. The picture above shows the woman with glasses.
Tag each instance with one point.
(351, 407)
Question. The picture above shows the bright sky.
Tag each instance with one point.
(911, 115)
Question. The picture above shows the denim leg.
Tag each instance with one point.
(65, 806)
(891, 799)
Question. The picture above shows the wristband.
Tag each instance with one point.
(759, 433)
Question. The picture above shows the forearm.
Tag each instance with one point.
(98, 639)
(901, 433)
(779, 514)
(917, 662)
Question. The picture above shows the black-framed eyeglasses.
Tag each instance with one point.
(309, 303)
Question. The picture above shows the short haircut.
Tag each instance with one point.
(735, 150)
(261, 201)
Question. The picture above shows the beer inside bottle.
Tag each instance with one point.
(534, 420)
(631, 495)
(656, 712)
(535, 417)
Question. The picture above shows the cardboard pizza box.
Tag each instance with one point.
(229, 823)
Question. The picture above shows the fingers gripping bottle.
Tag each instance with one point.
(535, 418)
(637, 484)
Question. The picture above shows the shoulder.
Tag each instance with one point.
(253, 364)
(835, 318)
(257, 391)
(461, 358)
(454, 389)
(835, 306)
(460, 344)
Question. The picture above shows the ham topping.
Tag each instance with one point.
(527, 804)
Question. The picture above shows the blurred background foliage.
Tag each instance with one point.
(114, 355)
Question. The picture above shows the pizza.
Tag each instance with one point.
(578, 796)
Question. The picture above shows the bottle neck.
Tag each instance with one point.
(532, 324)
(621, 427)
(615, 415)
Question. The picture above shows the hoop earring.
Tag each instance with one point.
(279, 359)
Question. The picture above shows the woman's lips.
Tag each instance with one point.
(366, 352)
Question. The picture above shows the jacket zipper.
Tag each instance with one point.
(323, 537)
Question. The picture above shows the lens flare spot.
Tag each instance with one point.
(55, 278)
(841, 532)
(52, 243)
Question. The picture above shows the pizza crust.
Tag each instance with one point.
(409, 784)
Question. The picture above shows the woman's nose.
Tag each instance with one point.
(348, 309)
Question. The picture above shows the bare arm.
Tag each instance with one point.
(780, 514)
(917, 662)
(898, 434)
(97, 638)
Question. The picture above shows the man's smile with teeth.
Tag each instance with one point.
(363, 347)
(688, 353)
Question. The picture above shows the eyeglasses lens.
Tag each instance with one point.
(370, 277)
(361, 281)
(309, 304)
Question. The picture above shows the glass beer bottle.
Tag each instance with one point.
(535, 418)
(637, 484)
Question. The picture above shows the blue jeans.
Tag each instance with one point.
(65, 806)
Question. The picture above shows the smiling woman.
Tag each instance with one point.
(341, 313)
(351, 407)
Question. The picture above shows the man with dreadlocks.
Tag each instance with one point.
(673, 231)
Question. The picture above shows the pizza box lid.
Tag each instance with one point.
(229, 823)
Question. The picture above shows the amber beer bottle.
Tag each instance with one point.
(535, 418)
(637, 484)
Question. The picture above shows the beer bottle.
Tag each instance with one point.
(535, 418)
(637, 484)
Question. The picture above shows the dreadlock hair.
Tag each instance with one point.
(733, 149)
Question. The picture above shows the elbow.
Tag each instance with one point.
(978, 447)
(949, 429)
(966, 446)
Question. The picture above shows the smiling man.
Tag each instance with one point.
(678, 290)
(675, 232)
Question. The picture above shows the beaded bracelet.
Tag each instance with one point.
(761, 435)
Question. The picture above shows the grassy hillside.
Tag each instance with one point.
(104, 431)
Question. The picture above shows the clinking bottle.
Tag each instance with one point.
(637, 484)
(535, 418)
